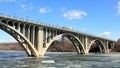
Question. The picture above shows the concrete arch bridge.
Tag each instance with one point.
(36, 38)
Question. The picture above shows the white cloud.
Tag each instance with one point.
(118, 7)
(45, 10)
(74, 14)
(7, 0)
(23, 6)
(105, 34)
(26, 7)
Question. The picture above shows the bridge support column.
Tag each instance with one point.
(33, 38)
(107, 47)
(39, 41)
(113, 45)
(85, 43)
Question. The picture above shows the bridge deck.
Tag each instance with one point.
(12, 18)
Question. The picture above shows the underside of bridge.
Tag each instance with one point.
(68, 43)
(97, 47)
(94, 48)
(62, 44)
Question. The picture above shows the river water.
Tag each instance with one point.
(13, 59)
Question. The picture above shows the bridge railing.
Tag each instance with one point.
(30, 21)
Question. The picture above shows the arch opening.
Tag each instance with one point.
(97, 46)
(10, 23)
(67, 43)
(62, 44)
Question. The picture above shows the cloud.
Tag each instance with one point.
(23, 6)
(118, 7)
(26, 7)
(7, 0)
(74, 14)
(105, 34)
(45, 10)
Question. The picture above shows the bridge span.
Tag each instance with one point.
(36, 38)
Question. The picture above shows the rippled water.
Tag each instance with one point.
(13, 59)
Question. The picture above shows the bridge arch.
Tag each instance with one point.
(76, 42)
(26, 44)
(100, 44)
